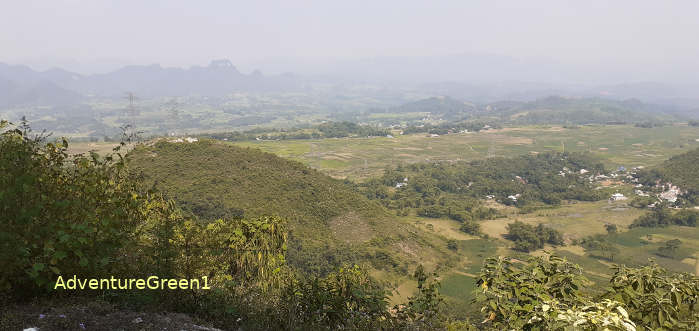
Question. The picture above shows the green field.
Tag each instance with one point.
(360, 158)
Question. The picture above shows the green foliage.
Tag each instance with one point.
(447, 128)
(671, 249)
(567, 111)
(346, 299)
(600, 246)
(453, 189)
(452, 244)
(605, 315)
(510, 293)
(471, 227)
(661, 216)
(655, 298)
(61, 214)
(324, 130)
(422, 311)
(680, 170)
(528, 237)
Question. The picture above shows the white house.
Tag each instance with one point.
(617, 197)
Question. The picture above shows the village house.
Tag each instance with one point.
(671, 194)
(617, 197)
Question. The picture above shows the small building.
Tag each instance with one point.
(641, 193)
(617, 197)
(671, 194)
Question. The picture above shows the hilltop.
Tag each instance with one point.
(562, 110)
(330, 222)
(438, 107)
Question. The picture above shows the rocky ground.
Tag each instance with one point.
(91, 314)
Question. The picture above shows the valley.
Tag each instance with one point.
(390, 244)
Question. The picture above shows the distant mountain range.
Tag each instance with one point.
(467, 77)
(20, 85)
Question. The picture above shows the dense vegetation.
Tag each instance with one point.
(528, 237)
(448, 127)
(443, 108)
(453, 189)
(660, 216)
(549, 294)
(680, 170)
(561, 110)
(324, 130)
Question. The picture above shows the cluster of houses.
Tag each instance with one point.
(182, 140)
(668, 192)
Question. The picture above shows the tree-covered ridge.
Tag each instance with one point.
(562, 110)
(442, 107)
(323, 130)
(680, 170)
(549, 110)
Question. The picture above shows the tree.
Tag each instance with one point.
(452, 244)
(670, 249)
(656, 298)
(60, 213)
(528, 237)
(510, 292)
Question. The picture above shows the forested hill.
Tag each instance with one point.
(549, 110)
(564, 110)
(441, 107)
(217, 180)
(681, 170)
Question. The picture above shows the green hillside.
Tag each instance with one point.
(439, 107)
(330, 222)
(561, 110)
(681, 170)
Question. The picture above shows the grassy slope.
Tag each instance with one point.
(331, 223)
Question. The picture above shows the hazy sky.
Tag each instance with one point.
(99, 35)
